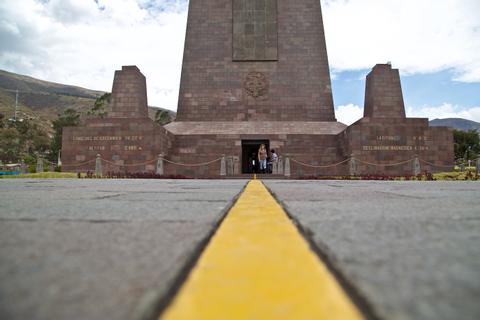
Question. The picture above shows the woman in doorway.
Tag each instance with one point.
(262, 158)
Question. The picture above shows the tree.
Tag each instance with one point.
(162, 117)
(99, 108)
(69, 118)
(22, 139)
(10, 144)
(467, 144)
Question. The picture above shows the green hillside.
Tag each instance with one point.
(42, 101)
(457, 123)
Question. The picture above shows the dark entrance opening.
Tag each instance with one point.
(249, 155)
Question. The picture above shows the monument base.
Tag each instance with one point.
(384, 142)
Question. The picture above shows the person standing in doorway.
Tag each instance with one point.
(273, 161)
(274, 156)
(262, 158)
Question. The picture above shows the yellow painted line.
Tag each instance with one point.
(258, 266)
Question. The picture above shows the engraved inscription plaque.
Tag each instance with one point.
(255, 30)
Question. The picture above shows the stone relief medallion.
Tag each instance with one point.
(256, 84)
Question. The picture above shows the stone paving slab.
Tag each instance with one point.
(91, 249)
(411, 248)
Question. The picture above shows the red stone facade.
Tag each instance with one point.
(385, 137)
(215, 87)
(129, 94)
(228, 103)
(383, 93)
(127, 139)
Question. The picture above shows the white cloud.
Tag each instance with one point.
(417, 36)
(71, 11)
(348, 114)
(82, 42)
(446, 110)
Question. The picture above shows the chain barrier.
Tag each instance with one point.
(79, 164)
(385, 164)
(323, 166)
(218, 159)
(128, 165)
(192, 165)
(368, 163)
(145, 163)
(434, 165)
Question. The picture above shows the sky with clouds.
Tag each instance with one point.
(435, 44)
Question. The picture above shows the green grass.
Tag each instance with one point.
(452, 176)
(43, 175)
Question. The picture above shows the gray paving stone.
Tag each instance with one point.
(91, 249)
(412, 249)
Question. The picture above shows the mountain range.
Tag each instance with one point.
(42, 101)
(457, 123)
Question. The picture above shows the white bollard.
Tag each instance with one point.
(230, 166)
(98, 166)
(160, 170)
(416, 166)
(236, 165)
(353, 166)
(23, 167)
(280, 165)
(223, 167)
(287, 167)
(39, 164)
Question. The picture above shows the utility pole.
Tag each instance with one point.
(16, 106)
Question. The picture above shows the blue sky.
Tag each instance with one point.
(421, 93)
(435, 44)
(419, 90)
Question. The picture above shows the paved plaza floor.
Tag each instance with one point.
(109, 249)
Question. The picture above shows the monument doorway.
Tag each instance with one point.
(249, 154)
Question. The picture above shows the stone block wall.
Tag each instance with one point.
(131, 145)
(129, 94)
(307, 148)
(295, 87)
(394, 141)
(383, 93)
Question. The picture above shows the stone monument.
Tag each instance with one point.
(124, 138)
(256, 72)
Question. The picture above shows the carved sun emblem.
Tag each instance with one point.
(256, 84)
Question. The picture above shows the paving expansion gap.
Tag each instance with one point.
(258, 266)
